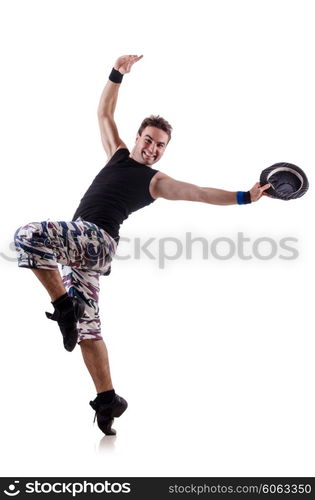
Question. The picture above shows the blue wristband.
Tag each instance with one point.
(243, 197)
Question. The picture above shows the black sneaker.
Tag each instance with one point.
(106, 412)
(67, 317)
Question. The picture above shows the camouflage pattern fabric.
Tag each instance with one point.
(85, 253)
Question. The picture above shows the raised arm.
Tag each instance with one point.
(106, 108)
(163, 186)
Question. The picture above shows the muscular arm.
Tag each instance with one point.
(107, 105)
(163, 186)
(105, 113)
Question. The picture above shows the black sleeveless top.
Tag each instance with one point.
(120, 188)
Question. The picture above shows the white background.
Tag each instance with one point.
(215, 357)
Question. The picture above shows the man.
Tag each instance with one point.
(85, 246)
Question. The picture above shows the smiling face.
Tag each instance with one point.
(150, 146)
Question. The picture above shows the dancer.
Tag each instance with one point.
(85, 246)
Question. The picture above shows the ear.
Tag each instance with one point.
(137, 137)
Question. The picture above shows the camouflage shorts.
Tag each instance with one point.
(85, 253)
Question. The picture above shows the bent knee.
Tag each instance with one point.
(28, 232)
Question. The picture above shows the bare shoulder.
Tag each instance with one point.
(155, 181)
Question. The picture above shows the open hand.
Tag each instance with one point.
(258, 191)
(124, 63)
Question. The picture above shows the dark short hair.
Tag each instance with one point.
(158, 122)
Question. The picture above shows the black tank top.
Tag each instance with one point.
(120, 188)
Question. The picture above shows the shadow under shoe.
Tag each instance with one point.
(67, 315)
(106, 412)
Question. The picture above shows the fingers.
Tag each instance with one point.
(257, 187)
(261, 190)
(134, 59)
(131, 58)
(128, 59)
(124, 63)
(258, 191)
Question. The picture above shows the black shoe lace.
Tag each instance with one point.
(95, 408)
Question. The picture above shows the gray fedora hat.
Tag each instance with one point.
(287, 181)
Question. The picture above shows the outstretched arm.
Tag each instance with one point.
(163, 186)
(106, 109)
